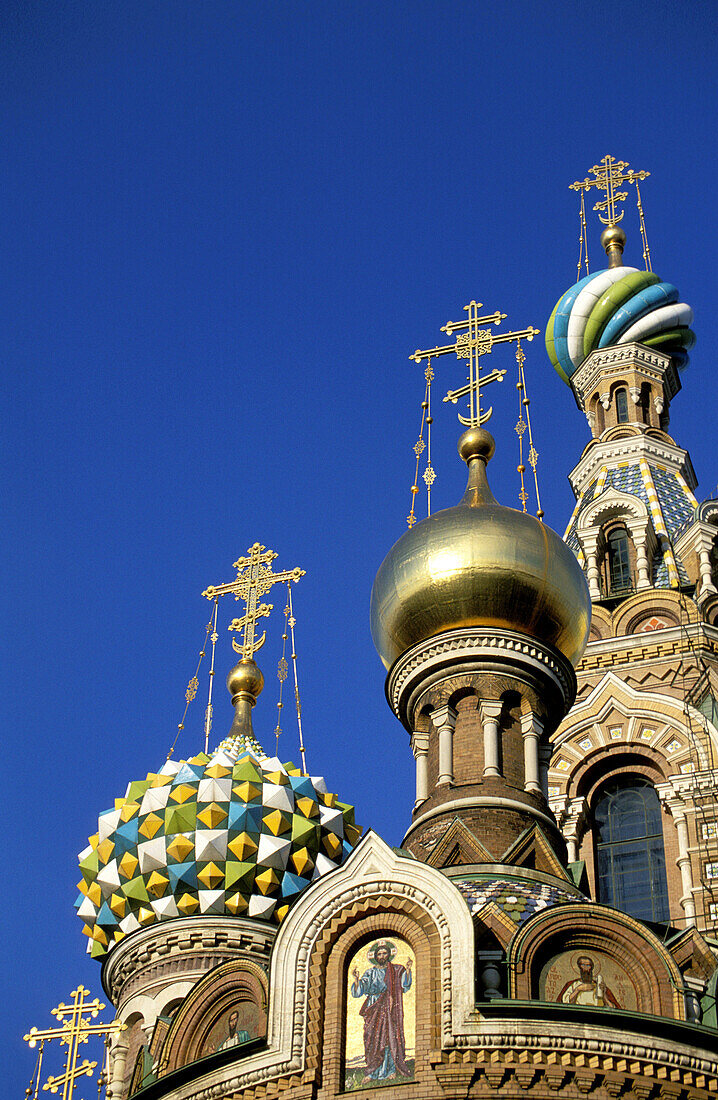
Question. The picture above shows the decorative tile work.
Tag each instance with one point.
(665, 495)
(236, 833)
(518, 899)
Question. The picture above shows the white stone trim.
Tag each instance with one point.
(372, 870)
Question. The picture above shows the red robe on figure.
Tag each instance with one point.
(384, 1024)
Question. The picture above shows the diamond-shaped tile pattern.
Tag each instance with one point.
(518, 900)
(666, 499)
(233, 833)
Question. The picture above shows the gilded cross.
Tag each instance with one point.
(609, 175)
(76, 1028)
(254, 579)
(472, 342)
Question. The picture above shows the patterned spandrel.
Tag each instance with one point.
(571, 539)
(676, 507)
(519, 900)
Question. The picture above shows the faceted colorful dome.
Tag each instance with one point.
(235, 833)
(620, 305)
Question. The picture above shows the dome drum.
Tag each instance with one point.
(139, 963)
(535, 667)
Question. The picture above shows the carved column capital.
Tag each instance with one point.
(444, 716)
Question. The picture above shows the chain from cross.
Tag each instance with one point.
(609, 175)
(254, 579)
(76, 1029)
(471, 343)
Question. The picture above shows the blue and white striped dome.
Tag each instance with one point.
(620, 305)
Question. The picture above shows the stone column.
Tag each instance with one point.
(420, 748)
(676, 807)
(589, 544)
(118, 1059)
(545, 751)
(704, 560)
(531, 728)
(639, 531)
(572, 827)
(444, 719)
(490, 712)
(684, 866)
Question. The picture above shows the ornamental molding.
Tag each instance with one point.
(631, 448)
(659, 645)
(464, 650)
(614, 694)
(612, 503)
(181, 945)
(599, 1041)
(588, 376)
(372, 872)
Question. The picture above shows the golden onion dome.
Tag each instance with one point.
(479, 564)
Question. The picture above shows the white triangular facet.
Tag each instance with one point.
(215, 790)
(278, 798)
(165, 908)
(107, 824)
(260, 907)
(108, 878)
(87, 911)
(210, 844)
(322, 865)
(273, 851)
(152, 855)
(332, 819)
(154, 799)
(211, 901)
(129, 923)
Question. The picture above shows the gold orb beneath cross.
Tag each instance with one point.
(479, 564)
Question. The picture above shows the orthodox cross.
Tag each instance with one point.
(76, 1028)
(609, 175)
(254, 579)
(471, 343)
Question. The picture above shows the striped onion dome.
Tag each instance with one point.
(235, 833)
(620, 305)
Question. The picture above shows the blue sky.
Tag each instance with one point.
(224, 228)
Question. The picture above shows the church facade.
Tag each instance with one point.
(547, 927)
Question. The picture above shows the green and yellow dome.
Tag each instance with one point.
(235, 833)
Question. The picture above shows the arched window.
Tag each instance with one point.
(621, 406)
(631, 863)
(619, 565)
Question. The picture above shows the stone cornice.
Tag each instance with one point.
(652, 645)
(467, 649)
(190, 942)
(630, 449)
(616, 358)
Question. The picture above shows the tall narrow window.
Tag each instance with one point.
(629, 848)
(621, 406)
(619, 566)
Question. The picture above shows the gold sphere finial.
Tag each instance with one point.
(476, 443)
(245, 681)
(613, 240)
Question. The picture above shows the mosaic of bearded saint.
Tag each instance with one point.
(383, 985)
(588, 988)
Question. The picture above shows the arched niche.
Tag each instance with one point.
(628, 962)
(205, 1022)
(636, 614)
